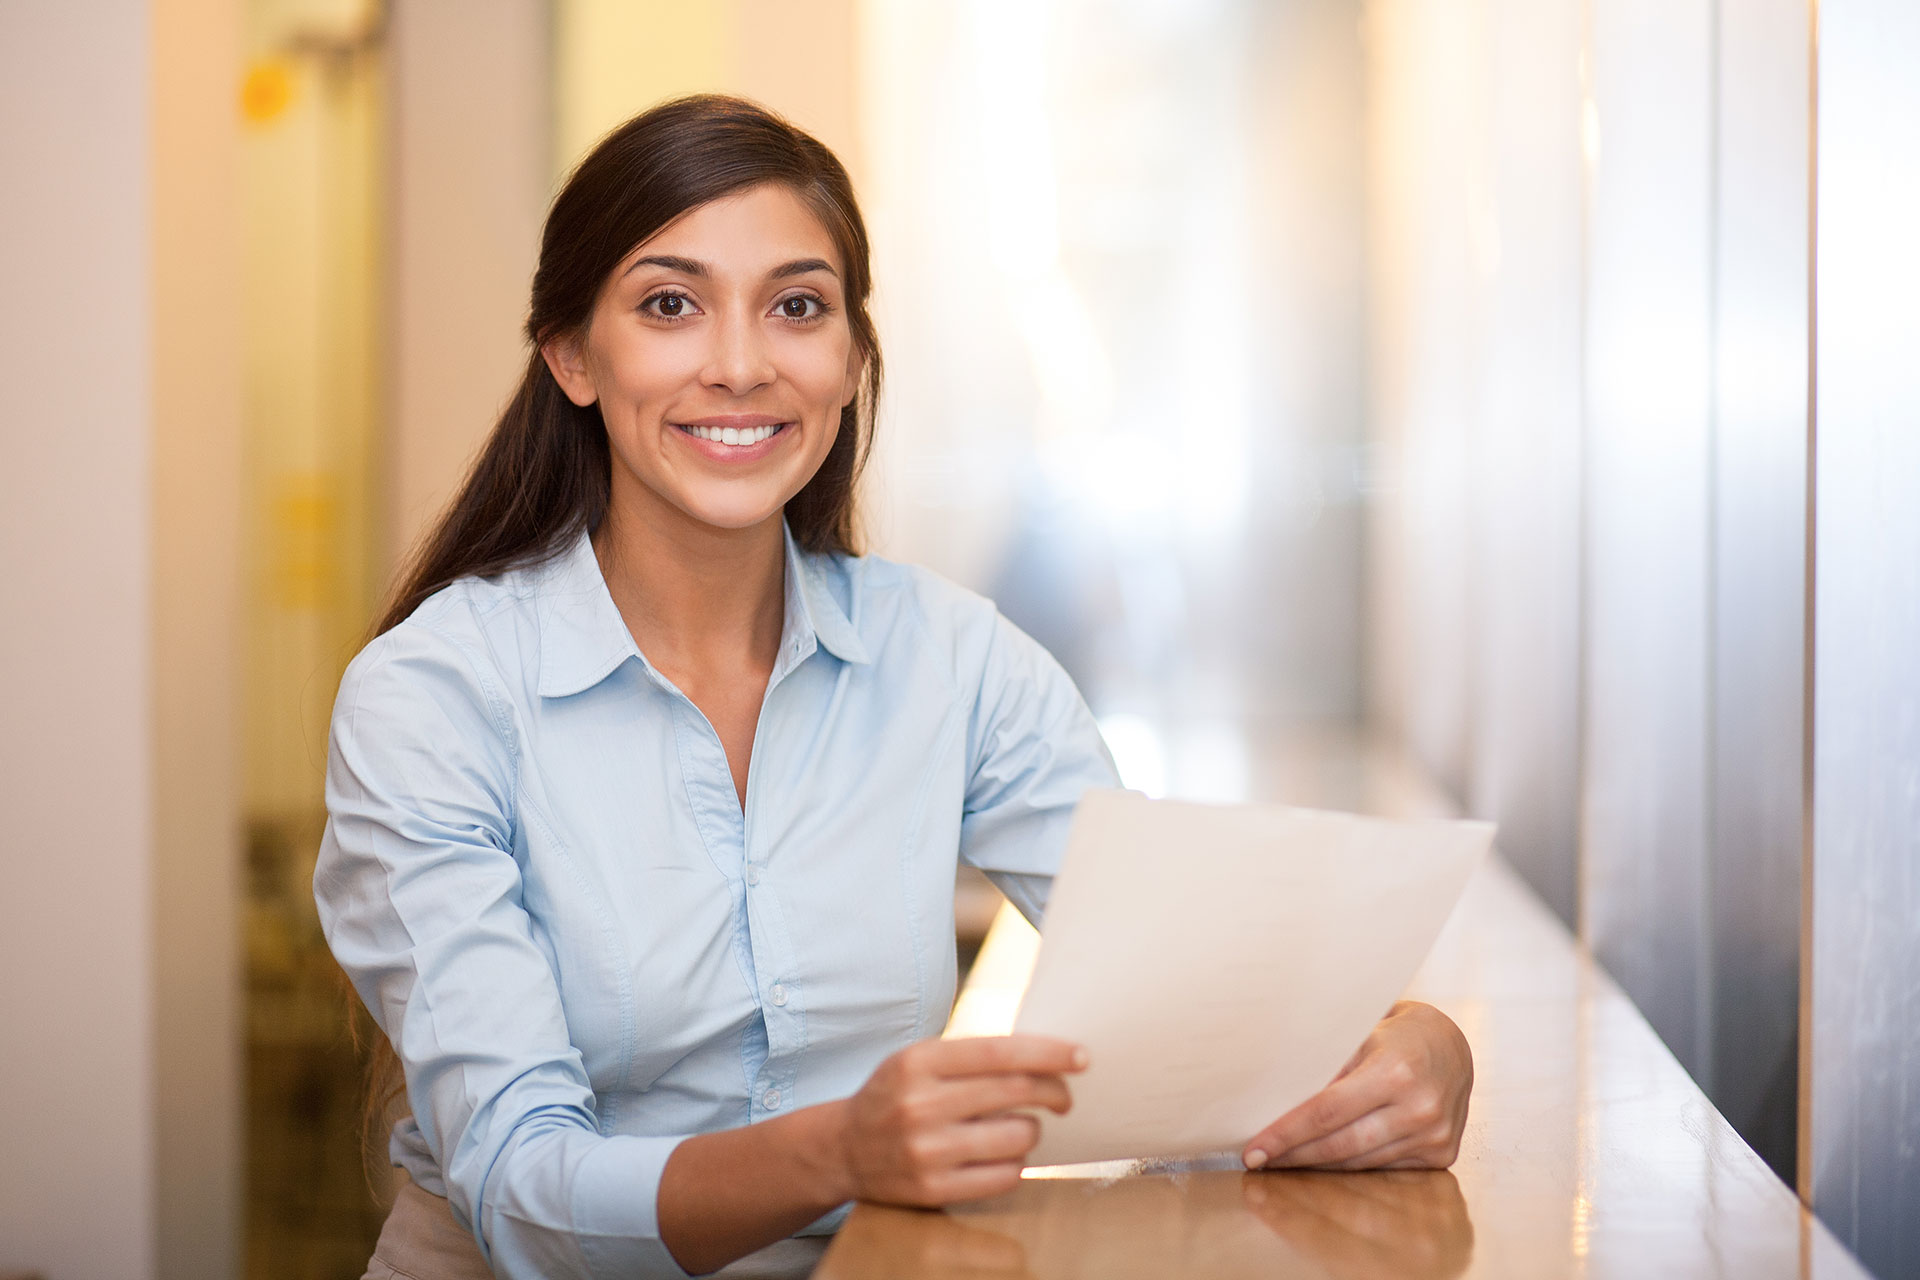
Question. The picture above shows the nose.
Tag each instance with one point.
(739, 360)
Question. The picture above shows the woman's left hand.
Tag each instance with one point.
(1399, 1103)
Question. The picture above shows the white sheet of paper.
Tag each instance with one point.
(1222, 962)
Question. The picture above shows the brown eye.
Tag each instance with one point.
(669, 306)
(802, 307)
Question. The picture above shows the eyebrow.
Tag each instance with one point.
(801, 267)
(694, 267)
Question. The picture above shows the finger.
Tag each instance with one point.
(1394, 1155)
(1359, 1056)
(995, 1140)
(1350, 1146)
(1416, 1151)
(987, 1055)
(964, 1099)
(1332, 1109)
(1419, 1132)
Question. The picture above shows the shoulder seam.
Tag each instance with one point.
(498, 712)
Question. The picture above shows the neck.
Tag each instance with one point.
(694, 596)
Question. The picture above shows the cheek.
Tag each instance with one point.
(653, 374)
(820, 374)
(636, 364)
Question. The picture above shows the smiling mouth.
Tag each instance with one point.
(739, 437)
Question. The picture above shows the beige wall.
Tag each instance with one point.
(119, 1084)
(471, 166)
(76, 757)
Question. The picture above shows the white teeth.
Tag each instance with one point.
(733, 435)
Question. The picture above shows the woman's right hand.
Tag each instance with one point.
(940, 1121)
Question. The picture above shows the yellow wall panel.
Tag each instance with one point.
(615, 58)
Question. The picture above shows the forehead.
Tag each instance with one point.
(748, 233)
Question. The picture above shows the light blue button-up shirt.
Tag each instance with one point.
(539, 877)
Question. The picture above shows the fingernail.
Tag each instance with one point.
(1080, 1059)
(1256, 1158)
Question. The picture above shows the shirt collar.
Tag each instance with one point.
(582, 635)
(583, 638)
(813, 611)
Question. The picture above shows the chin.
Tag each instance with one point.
(732, 511)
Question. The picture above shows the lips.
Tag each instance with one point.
(734, 439)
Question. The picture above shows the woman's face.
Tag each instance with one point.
(720, 356)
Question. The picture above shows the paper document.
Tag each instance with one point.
(1222, 962)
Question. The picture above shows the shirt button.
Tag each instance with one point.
(770, 1099)
(777, 994)
(753, 875)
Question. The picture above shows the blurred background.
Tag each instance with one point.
(1300, 372)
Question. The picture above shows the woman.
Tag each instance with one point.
(657, 1008)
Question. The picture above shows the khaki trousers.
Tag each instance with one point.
(421, 1241)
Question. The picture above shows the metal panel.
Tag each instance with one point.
(1426, 161)
(1759, 568)
(1862, 1165)
(1300, 635)
(1644, 825)
(1526, 509)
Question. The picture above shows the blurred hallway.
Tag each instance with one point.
(1526, 383)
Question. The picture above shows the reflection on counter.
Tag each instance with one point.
(1396, 1222)
(1192, 1219)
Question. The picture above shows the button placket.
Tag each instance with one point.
(778, 1005)
(782, 1010)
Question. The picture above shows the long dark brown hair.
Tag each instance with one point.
(544, 474)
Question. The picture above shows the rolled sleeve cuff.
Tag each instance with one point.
(616, 1209)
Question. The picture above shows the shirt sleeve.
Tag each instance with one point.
(421, 900)
(1033, 751)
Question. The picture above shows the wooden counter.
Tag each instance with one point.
(1588, 1151)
